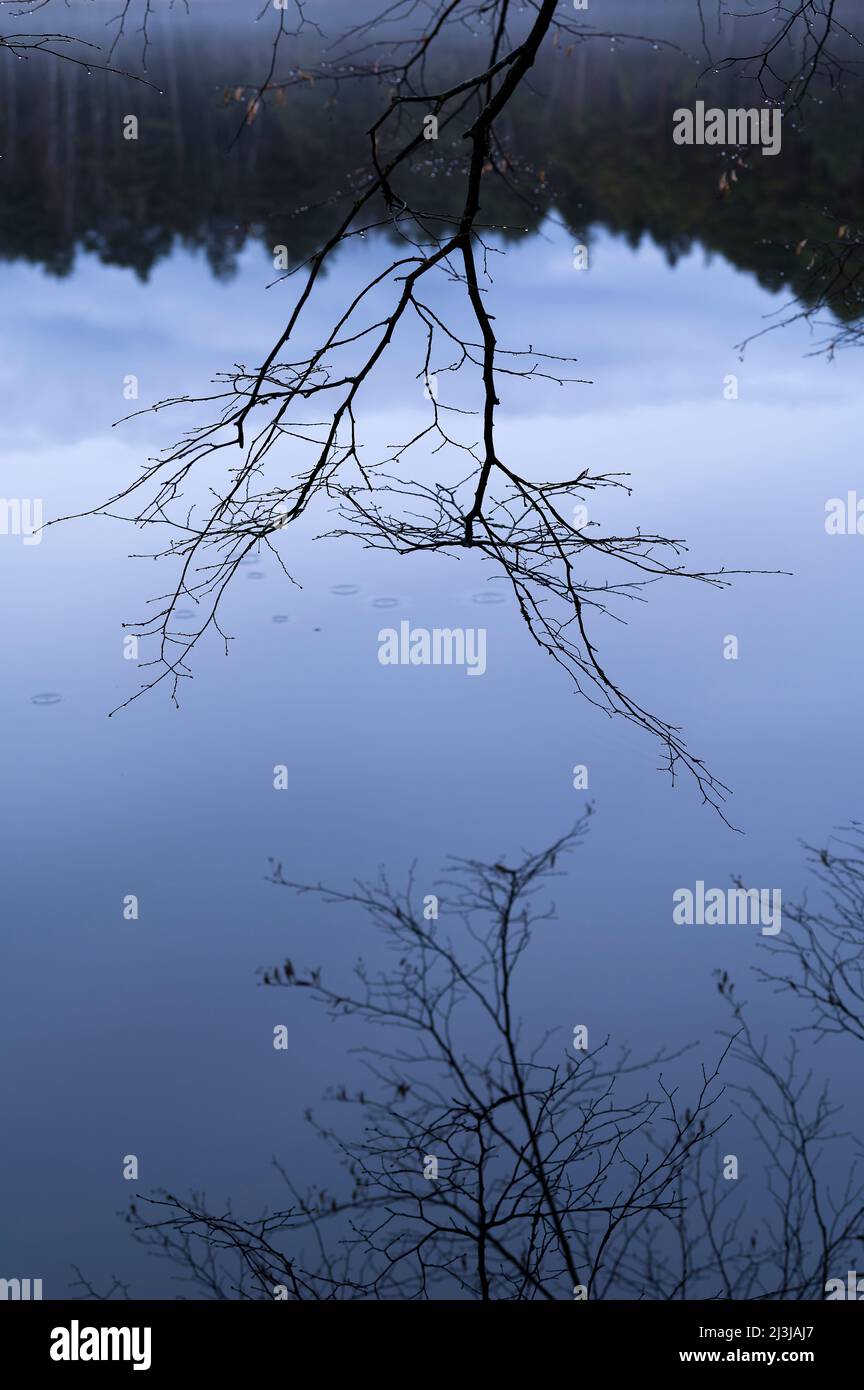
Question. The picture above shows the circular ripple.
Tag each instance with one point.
(47, 697)
(488, 598)
(344, 590)
(280, 618)
(255, 574)
(184, 614)
(385, 602)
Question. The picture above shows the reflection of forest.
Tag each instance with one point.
(591, 142)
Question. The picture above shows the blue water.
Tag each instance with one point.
(151, 1037)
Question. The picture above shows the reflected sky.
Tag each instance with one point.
(151, 1037)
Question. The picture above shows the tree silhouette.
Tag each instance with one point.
(480, 1163)
(510, 1169)
(810, 47)
(565, 575)
(286, 432)
(820, 958)
(24, 45)
(482, 1166)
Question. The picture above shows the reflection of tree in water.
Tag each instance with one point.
(592, 146)
(439, 202)
(561, 1165)
(554, 1173)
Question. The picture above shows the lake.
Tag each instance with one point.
(150, 1036)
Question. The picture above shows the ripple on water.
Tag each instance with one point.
(488, 597)
(385, 602)
(345, 590)
(255, 574)
(46, 697)
(280, 618)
